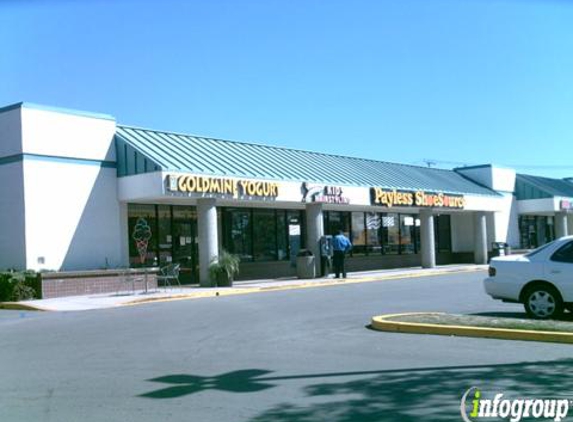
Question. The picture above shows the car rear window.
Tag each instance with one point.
(564, 253)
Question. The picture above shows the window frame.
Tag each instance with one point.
(569, 247)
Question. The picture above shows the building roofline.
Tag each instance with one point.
(542, 177)
(482, 166)
(478, 166)
(63, 110)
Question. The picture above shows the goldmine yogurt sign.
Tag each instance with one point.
(218, 186)
(395, 198)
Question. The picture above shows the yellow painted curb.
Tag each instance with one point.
(233, 291)
(198, 295)
(382, 323)
(17, 306)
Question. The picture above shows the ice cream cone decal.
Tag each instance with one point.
(141, 235)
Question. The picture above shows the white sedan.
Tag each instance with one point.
(542, 280)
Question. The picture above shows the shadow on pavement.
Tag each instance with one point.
(405, 395)
(244, 381)
(567, 316)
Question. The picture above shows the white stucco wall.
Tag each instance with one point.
(513, 237)
(140, 187)
(12, 238)
(505, 223)
(10, 133)
(462, 227)
(497, 178)
(503, 179)
(544, 206)
(47, 132)
(73, 218)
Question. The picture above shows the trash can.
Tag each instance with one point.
(507, 249)
(305, 264)
(499, 248)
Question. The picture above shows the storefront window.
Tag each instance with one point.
(549, 229)
(296, 234)
(164, 234)
(373, 231)
(535, 230)
(142, 225)
(264, 235)
(391, 233)
(238, 233)
(335, 221)
(282, 233)
(358, 238)
(528, 232)
(407, 234)
(417, 240)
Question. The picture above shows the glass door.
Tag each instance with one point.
(294, 235)
(185, 248)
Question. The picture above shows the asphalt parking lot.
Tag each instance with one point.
(296, 355)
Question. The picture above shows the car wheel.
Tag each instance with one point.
(543, 302)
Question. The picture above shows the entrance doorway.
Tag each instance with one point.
(185, 249)
(160, 235)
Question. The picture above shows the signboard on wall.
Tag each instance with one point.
(395, 198)
(323, 194)
(220, 186)
(566, 205)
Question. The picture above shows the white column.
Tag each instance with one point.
(125, 235)
(427, 238)
(207, 230)
(561, 226)
(314, 231)
(480, 238)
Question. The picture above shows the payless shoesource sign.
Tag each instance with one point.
(219, 186)
(398, 198)
(566, 205)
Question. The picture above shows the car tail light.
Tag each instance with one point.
(491, 271)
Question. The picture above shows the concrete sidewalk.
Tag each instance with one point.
(110, 300)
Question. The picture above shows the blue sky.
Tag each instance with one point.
(456, 81)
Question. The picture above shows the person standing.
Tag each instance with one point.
(340, 245)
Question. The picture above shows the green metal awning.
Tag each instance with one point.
(536, 187)
(143, 150)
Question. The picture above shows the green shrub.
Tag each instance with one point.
(20, 285)
(226, 263)
(22, 291)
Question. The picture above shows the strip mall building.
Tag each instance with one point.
(81, 192)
